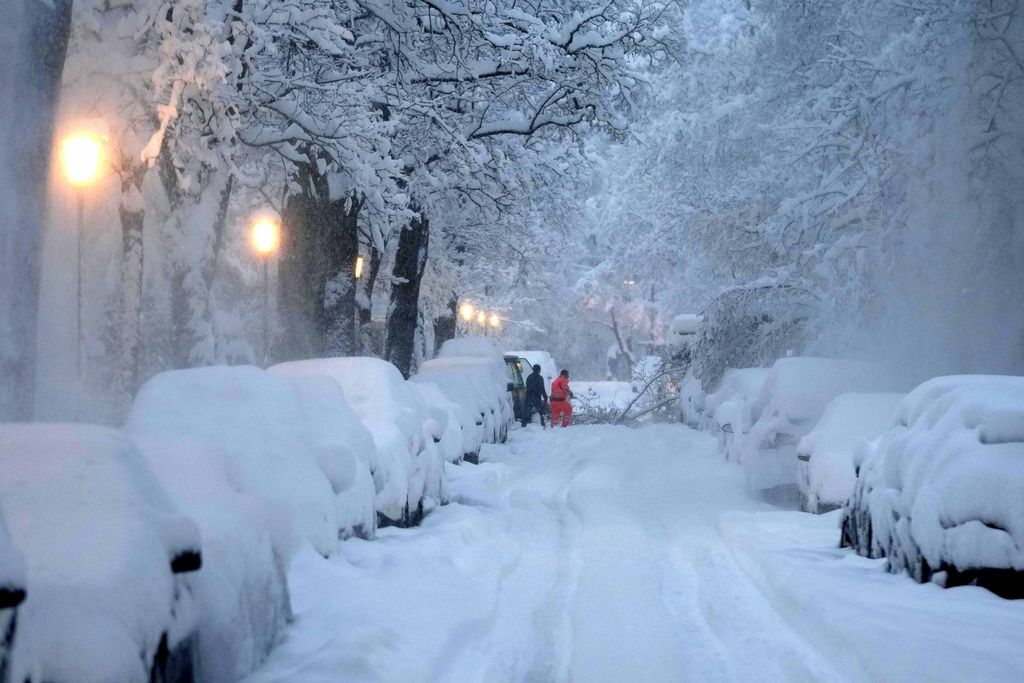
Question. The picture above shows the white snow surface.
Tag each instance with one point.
(946, 482)
(470, 347)
(391, 411)
(603, 394)
(827, 475)
(604, 553)
(98, 535)
(12, 564)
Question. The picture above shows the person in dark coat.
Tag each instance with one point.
(536, 396)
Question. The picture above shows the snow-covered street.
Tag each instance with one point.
(608, 554)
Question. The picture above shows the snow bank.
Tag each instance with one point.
(391, 411)
(941, 493)
(99, 537)
(825, 457)
(727, 410)
(792, 399)
(343, 449)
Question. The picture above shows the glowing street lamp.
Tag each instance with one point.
(481, 318)
(466, 311)
(81, 154)
(494, 320)
(359, 267)
(265, 239)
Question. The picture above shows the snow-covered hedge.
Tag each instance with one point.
(825, 470)
(794, 396)
(109, 557)
(408, 472)
(941, 493)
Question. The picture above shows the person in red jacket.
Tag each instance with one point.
(559, 399)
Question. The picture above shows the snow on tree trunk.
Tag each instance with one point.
(403, 318)
(34, 36)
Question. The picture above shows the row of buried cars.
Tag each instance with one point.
(931, 479)
(158, 551)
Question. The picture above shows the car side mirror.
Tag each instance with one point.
(511, 387)
(11, 597)
(187, 561)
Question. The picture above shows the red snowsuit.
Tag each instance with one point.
(559, 400)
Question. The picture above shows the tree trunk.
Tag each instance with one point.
(446, 326)
(315, 275)
(132, 214)
(366, 306)
(35, 37)
(410, 262)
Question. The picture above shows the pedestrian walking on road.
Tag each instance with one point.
(561, 409)
(536, 396)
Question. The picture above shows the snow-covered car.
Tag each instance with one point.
(408, 473)
(108, 556)
(342, 447)
(483, 398)
(825, 471)
(12, 594)
(684, 328)
(941, 493)
(480, 361)
(727, 410)
(794, 395)
(444, 421)
(228, 444)
(516, 372)
(548, 367)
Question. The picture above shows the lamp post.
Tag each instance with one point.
(81, 157)
(265, 238)
(357, 271)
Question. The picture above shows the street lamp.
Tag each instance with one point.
(357, 271)
(265, 238)
(494, 320)
(81, 154)
(481, 318)
(466, 311)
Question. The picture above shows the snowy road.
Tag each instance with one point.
(610, 554)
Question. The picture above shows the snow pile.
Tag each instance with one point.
(407, 467)
(99, 537)
(343, 449)
(548, 367)
(792, 399)
(727, 410)
(942, 491)
(825, 470)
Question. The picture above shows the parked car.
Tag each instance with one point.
(109, 556)
(727, 410)
(940, 494)
(825, 471)
(789, 404)
(12, 594)
(408, 473)
(548, 368)
(516, 369)
(483, 357)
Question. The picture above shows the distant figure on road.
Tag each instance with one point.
(536, 396)
(560, 395)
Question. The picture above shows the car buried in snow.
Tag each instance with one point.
(108, 556)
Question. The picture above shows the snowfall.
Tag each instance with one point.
(604, 553)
